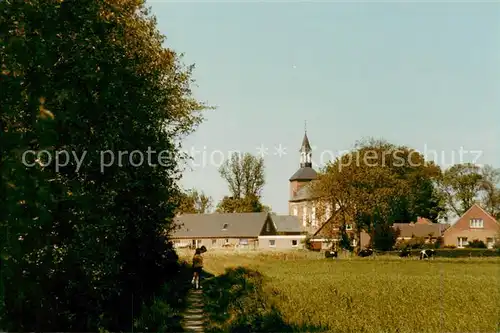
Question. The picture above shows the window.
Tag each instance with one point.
(294, 242)
(348, 227)
(214, 241)
(224, 227)
(313, 216)
(272, 243)
(243, 241)
(227, 241)
(476, 223)
(462, 242)
(268, 227)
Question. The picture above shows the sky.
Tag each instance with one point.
(425, 75)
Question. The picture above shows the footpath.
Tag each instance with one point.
(194, 316)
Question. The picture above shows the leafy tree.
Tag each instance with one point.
(248, 204)
(491, 190)
(377, 184)
(81, 246)
(244, 175)
(194, 202)
(461, 186)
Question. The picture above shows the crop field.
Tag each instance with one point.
(385, 294)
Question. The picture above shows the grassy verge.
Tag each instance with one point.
(237, 301)
(163, 314)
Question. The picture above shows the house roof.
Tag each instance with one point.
(479, 211)
(304, 173)
(420, 230)
(287, 223)
(218, 225)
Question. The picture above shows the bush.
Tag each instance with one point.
(477, 244)
(439, 242)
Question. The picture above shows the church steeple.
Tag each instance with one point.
(305, 152)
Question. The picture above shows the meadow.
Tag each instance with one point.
(303, 291)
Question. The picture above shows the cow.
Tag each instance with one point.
(405, 253)
(427, 254)
(331, 254)
(365, 253)
(203, 249)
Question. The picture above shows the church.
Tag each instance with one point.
(301, 202)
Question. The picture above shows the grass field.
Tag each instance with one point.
(306, 292)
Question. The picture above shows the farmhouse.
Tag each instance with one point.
(238, 230)
(474, 224)
(282, 232)
(423, 228)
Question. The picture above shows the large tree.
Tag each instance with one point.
(81, 243)
(194, 202)
(491, 190)
(244, 175)
(377, 184)
(461, 185)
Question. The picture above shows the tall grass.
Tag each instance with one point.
(384, 294)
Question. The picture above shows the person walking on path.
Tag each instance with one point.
(197, 268)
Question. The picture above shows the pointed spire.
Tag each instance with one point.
(306, 147)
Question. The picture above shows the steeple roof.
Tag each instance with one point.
(306, 147)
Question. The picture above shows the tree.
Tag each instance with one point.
(244, 175)
(461, 186)
(248, 204)
(491, 190)
(194, 202)
(377, 184)
(81, 244)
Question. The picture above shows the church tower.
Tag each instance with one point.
(298, 204)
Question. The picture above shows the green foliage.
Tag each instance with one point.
(384, 237)
(82, 246)
(244, 175)
(248, 204)
(379, 183)
(194, 202)
(345, 242)
(477, 244)
(461, 185)
(439, 242)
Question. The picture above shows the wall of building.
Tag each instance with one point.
(217, 243)
(281, 242)
(309, 215)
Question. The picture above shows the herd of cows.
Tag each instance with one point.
(424, 254)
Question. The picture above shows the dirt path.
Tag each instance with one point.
(194, 316)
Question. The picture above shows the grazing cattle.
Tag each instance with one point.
(365, 253)
(427, 254)
(331, 254)
(405, 253)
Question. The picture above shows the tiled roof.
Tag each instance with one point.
(420, 230)
(228, 225)
(287, 223)
(305, 173)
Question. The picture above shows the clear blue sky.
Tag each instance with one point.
(422, 75)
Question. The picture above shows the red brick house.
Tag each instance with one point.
(474, 224)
